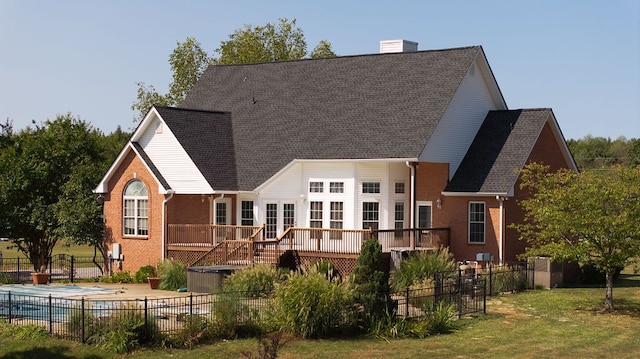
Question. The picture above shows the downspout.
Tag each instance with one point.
(412, 204)
(164, 224)
(501, 234)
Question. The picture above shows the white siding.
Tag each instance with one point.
(292, 185)
(171, 159)
(461, 121)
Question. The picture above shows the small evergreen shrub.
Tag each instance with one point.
(311, 306)
(144, 273)
(256, 281)
(422, 265)
(370, 283)
(173, 275)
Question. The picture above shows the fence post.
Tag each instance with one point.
(490, 279)
(484, 296)
(146, 315)
(459, 294)
(72, 268)
(50, 316)
(406, 303)
(19, 276)
(10, 308)
(50, 269)
(83, 319)
(190, 304)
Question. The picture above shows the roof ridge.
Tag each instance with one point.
(191, 109)
(348, 56)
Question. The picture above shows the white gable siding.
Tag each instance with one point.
(461, 121)
(292, 186)
(172, 160)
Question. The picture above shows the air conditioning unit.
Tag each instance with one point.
(483, 257)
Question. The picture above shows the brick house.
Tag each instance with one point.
(308, 157)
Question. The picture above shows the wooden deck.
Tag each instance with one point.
(202, 244)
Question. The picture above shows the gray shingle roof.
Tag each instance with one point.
(500, 148)
(207, 138)
(354, 107)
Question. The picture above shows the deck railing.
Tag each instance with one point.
(209, 234)
(415, 238)
(248, 244)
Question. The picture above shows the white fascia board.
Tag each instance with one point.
(146, 121)
(333, 160)
(490, 80)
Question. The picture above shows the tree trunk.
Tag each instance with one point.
(608, 299)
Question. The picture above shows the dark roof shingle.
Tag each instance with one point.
(501, 147)
(354, 107)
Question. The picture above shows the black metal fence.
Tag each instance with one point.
(62, 268)
(79, 319)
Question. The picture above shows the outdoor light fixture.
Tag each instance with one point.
(439, 203)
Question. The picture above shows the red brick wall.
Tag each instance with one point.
(137, 251)
(431, 180)
(546, 151)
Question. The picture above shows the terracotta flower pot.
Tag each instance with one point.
(154, 282)
(40, 278)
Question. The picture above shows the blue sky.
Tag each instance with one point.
(579, 57)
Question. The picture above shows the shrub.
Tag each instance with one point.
(508, 279)
(118, 277)
(5, 278)
(371, 282)
(441, 319)
(267, 347)
(256, 281)
(327, 269)
(78, 320)
(232, 318)
(196, 329)
(144, 273)
(311, 306)
(422, 265)
(124, 330)
(173, 274)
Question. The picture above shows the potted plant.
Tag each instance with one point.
(148, 274)
(41, 277)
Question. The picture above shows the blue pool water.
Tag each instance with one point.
(50, 303)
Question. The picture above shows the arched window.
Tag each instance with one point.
(135, 212)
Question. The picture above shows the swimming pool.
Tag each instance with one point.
(50, 303)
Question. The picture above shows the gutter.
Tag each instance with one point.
(170, 192)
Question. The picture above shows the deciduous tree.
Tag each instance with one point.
(589, 217)
(46, 177)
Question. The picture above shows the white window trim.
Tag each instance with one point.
(136, 200)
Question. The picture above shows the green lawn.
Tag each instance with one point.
(9, 251)
(566, 322)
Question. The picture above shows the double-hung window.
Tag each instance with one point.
(476, 222)
(135, 211)
(246, 213)
(370, 215)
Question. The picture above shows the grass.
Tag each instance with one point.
(9, 251)
(566, 322)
